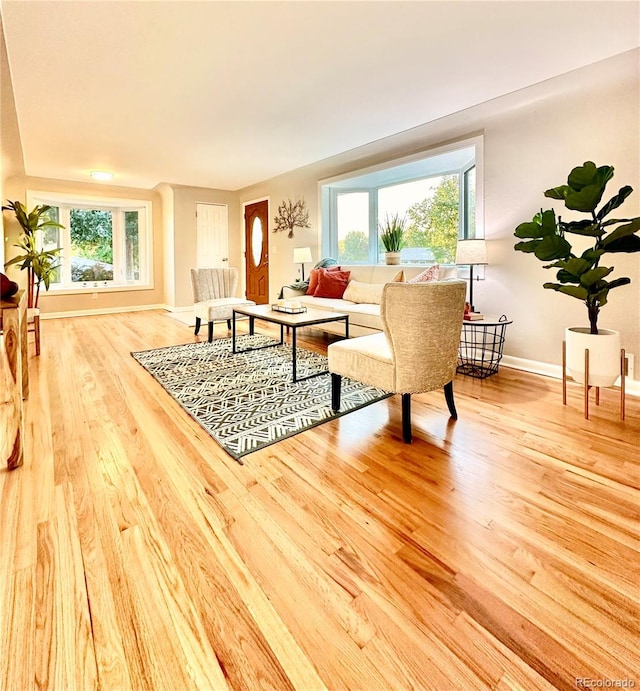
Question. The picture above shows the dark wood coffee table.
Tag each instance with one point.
(309, 318)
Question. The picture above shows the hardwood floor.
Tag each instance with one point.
(499, 551)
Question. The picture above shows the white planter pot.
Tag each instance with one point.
(604, 355)
(392, 257)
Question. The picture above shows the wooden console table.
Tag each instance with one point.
(14, 378)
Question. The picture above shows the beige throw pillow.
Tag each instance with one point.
(364, 293)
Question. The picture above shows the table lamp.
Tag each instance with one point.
(471, 252)
(300, 256)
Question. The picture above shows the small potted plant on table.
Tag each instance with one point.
(391, 236)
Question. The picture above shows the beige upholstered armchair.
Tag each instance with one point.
(214, 296)
(416, 352)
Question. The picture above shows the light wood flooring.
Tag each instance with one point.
(499, 551)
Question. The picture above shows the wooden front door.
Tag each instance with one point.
(256, 235)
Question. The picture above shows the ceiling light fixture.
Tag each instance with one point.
(101, 175)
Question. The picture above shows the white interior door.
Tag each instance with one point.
(212, 235)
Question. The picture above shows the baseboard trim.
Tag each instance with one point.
(169, 308)
(632, 386)
(100, 310)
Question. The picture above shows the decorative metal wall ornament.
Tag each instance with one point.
(291, 215)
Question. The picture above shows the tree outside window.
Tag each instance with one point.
(91, 245)
(132, 245)
(436, 194)
(353, 227)
(354, 248)
(103, 245)
(51, 238)
(433, 222)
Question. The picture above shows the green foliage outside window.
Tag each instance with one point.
(132, 241)
(91, 245)
(432, 225)
(433, 222)
(354, 248)
(91, 234)
(51, 237)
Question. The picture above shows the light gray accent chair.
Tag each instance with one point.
(214, 296)
(416, 352)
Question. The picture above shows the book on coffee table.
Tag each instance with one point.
(287, 309)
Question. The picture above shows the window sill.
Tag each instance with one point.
(95, 289)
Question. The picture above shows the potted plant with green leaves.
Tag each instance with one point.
(392, 236)
(580, 274)
(40, 264)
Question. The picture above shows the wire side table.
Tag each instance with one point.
(481, 345)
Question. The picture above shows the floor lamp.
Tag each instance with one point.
(300, 256)
(471, 252)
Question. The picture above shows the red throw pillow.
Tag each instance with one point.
(332, 284)
(313, 278)
(7, 287)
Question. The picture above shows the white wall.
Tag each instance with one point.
(532, 139)
(531, 143)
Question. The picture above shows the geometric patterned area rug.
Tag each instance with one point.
(248, 400)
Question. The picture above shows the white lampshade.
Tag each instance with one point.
(471, 252)
(301, 255)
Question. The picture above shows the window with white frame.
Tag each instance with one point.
(434, 192)
(106, 243)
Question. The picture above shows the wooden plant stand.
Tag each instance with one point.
(623, 360)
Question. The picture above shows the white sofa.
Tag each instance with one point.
(364, 311)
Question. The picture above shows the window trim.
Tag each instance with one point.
(372, 203)
(121, 204)
(463, 233)
(327, 202)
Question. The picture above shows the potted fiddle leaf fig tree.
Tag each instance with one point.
(392, 237)
(581, 274)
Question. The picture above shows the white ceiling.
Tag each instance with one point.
(225, 94)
